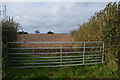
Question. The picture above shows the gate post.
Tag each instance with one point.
(84, 53)
(61, 55)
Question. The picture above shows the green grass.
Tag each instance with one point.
(88, 71)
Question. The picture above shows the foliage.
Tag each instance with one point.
(22, 32)
(9, 30)
(9, 34)
(88, 71)
(50, 32)
(37, 32)
(103, 26)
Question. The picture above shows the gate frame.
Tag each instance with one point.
(61, 52)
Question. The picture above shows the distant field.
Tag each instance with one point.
(45, 38)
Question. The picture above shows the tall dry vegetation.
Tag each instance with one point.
(103, 26)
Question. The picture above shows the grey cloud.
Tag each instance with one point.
(57, 17)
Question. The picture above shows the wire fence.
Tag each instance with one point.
(54, 54)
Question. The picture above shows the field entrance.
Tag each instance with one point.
(54, 54)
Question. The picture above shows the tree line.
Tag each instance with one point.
(36, 32)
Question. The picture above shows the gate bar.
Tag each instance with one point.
(55, 42)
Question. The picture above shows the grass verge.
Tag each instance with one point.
(88, 71)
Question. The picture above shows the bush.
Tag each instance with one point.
(50, 32)
(9, 34)
(103, 26)
(22, 32)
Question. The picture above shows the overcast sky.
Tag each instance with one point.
(58, 17)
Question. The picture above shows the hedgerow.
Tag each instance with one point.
(103, 26)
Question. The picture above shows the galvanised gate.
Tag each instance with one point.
(54, 54)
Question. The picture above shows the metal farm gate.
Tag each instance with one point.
(54, 54)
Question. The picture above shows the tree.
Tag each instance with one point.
(50, 32)
(9, 30)
(37, 32)
(22, 32)
(25, 33)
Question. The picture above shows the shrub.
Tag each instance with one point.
(103, 26)
(50, 32)
(9, 34)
